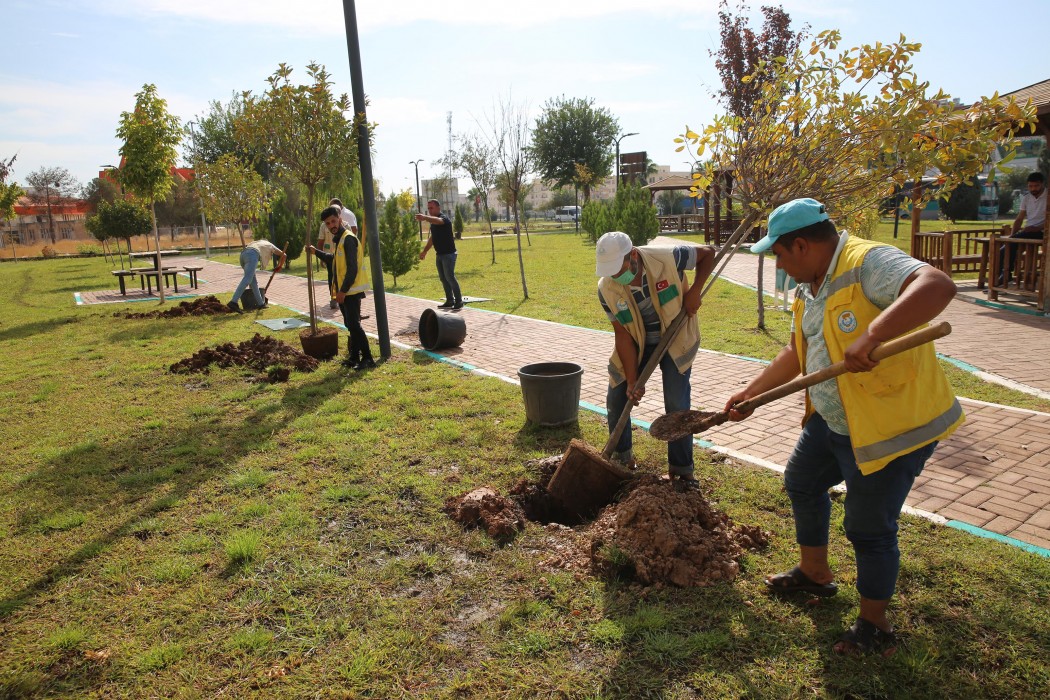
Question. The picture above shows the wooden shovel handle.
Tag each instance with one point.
(882, 351)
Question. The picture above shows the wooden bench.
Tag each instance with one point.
(954, 251)
(1028, 277)
(121, 275)
(192, 272)
(170, 274)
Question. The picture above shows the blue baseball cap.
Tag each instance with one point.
(796, 214)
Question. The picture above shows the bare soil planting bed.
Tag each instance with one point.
(201, 306)
(265, 354)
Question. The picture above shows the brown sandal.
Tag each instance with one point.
(796, 581)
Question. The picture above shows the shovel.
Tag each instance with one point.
(681, 423)
(274, 274)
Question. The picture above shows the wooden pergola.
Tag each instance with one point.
(722, 186)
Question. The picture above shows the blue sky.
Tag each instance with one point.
(71, 67)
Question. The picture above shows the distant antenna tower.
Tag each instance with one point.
(451, 195)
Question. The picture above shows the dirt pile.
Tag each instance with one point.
(264, 354)
(201, 306)
(502, 518)
(657, 535)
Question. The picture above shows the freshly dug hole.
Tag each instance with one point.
(261, 353)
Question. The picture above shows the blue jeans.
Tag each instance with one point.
(822, 459)
(249, 261)
(676, 398)
(446, 265)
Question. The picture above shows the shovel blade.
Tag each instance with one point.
(676, 425)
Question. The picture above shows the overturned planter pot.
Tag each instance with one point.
(322, 345)
(439, 330)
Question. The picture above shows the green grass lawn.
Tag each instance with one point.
(199, 536)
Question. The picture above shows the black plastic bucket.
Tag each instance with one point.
(439, 330)
(551, 391)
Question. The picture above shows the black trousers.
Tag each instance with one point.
(358, 349)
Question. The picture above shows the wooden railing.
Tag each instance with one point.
(955, 251)
(1027, 276)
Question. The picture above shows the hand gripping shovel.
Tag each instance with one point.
(681, 423)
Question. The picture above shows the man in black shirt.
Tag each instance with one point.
(444, 243)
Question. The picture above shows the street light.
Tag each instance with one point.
(418, 209)
(618, 139)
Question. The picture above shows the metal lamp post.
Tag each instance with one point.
(418, 199)
(618, 139)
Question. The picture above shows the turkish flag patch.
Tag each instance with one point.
(661, 285)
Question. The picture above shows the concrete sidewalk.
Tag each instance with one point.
(992, 477)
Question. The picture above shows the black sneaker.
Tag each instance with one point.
(682, 483)
(457, 306)
(365, 364)
(350, 363)
(446, 305)
(234, 306)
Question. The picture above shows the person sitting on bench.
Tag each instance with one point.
(1033, 214)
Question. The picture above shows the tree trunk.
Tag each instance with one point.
(309, 267)
(240, 232)
(521, 261)
(156, 239)
(761, 294)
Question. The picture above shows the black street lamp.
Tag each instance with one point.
(418, 201)
(618, 139)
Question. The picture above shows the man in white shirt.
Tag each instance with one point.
(1033, 214)
(326, 241)
(259, 252)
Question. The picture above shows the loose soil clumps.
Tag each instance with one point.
(657, 535)
(264, 354)
(201, 306)
(483, 507)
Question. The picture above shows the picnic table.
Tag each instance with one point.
(155, 256)
(155, 271)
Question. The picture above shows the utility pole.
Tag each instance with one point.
(451, 195)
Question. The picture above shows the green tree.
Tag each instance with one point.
(288, 229)
(304, 130)
(630, 212)
(510, 134)
(101, 190)
(51, 186)
(861, 122)
(457, 222)
(232, 191)
(397, 237)
(151, 137)
(962, 202)
(10, 193)
(181, 207)
(121, 219)
(570, 132)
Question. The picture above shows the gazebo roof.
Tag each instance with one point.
(1039, 93)
(672, 182)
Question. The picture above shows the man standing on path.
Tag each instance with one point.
(349, 282)
(254, 253)
(444, 244)
(873, 427)
(642, 290)
(327, 243)
(1033, 214)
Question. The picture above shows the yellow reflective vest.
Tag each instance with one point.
(667, 291)
(902, 404)
(361, 283)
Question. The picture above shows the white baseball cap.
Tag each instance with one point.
(609, 251)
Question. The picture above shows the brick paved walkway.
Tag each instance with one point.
(993, 475)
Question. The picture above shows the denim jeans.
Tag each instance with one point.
(249, 261)
(446, 265)
(822, 458)
(676, 398)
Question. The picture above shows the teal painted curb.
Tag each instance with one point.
(988, 534)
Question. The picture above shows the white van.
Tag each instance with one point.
(562, 214)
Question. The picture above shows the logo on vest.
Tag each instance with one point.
(661, 285)
(621, 305)
(847, 322)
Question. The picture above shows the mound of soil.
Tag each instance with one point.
(483, 507)
(201, 306)
(661, 536)
(262, 353)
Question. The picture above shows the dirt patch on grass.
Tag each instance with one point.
(265, 354)
(653, 534)
(502, 518)
(201, 306)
